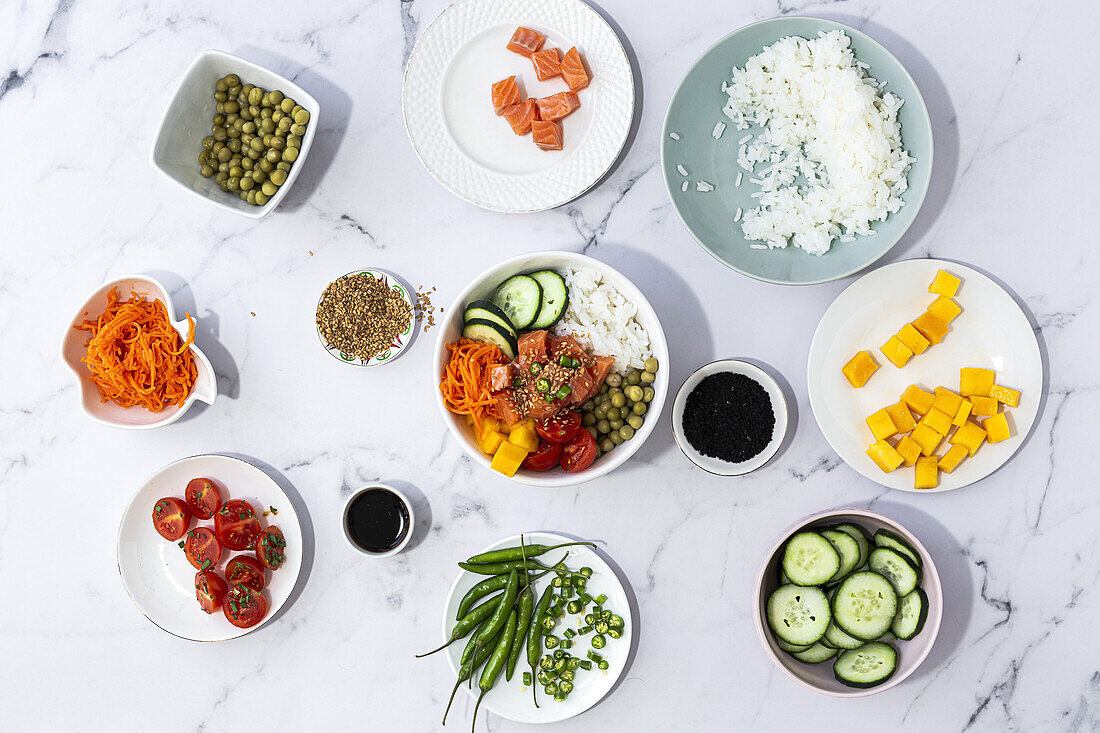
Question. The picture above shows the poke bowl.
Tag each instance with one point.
(560, 397)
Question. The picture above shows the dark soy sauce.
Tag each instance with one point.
(377, 520)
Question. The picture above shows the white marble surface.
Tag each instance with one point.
(1011, 86)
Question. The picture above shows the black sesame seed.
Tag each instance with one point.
(729, 417)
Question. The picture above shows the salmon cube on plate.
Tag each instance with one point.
(546, 134)
(558, 105)
(573, 71)
(505, 94)
(520, 116)
(526, 41)
(547, 64)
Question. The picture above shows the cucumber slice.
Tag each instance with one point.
(520, 297)
(886, 538)
(848, 549)
(810, 559)
(862, 539)
(865, 605)
(870, 665)
(836, 637)
(485, 310)
(555, 298)
(911, 615)
(791, 647)
(816, 654)
(798, 615)
(895, 567)
(492, 333)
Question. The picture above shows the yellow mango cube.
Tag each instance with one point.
(884, 455)
(927, 438)
(938, 420)
(898, 353)
(984, 406)
(927, 473)
(881, 424)
(1009, 397)
(918, 400)
(490, 441)
(488, 425)
(859, 369)
(524, 436)
(903, 419)
(944, 284)
(909, 450)
(970, 436)
(913, 339)
(996, 428)
(945, 309)
(931, 326)
(952, 458)
(974, 381)
(963, 414)
(947, 401)
(508, 458)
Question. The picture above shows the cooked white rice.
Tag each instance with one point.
(601, 318)
(824, 118)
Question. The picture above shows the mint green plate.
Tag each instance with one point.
(697, 106)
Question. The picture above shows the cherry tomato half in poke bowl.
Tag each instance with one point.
(561, 428)
(544, 458)
(579, 453)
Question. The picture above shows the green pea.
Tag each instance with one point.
(297, 108)
(253, 153)
(614, 413)
(267, 125)
(258, 176)
(273, 155)
(278, 142)
(247, 183)
(266, 166)
(639, 408)
(616, 424)
(232, 80)
(257, 144)
(236, 171)
(276, 97)
(607, 445)
(249, 127)
(207, 170)
(220, 133)
(269, 188)
(218, 145)
(290, 154)
(267, 139)
(614, 380)
(221, 96)
(255, 110)
(588, 419)
(247, 163)
(265, 113)
(588, 406)
(224, 155)
(220, 108)
(220, 85)
(635, 421)
(634, 392)
(237, 125)
(251, 198)
(233, 183)
(648, 394)
(278, 177)
(221, 177)
(634, 377)
(618, 400)
(293, 141)
(254, 97)
(277, 115)
(627, 432)
(234, 145)
(301, 116)
(284, 125)
(231, 106)
(224, 168)
(204, 156)
(261, 198)
(298, 130)
(592, 431)
(616, 438)
(219, 120)
(648, 377)
(283, 166)
(603, 426)
(287, 105)
(208, 142)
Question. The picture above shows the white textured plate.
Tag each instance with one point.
(474, 153)
(512, 700)
(991, 332)
(155, 571)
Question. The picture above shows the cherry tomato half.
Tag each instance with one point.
(210, 589)
(271, 548)
(203, 497)
(245, 570)
(560, 428)
(171, 518)
(202, 548)
(244, 607)
(578, 454)
(543, 459)
(236, 525)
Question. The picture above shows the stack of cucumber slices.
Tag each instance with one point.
(528, 302)
(845, 594)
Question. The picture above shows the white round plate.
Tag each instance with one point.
(512, 700)
(474, 153)
(779, 408)
(991, 332)
(155, 571)
(400, 342)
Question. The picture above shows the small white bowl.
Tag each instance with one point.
(403, 339)
(819, 677)
(189, 116)
(779, 407)
(73, 349)
(482, 286)
(408, 507)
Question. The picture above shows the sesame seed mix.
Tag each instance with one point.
(425, 311)
(361, 316)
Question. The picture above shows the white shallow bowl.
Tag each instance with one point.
(402, 340)
(819, 677)
(482, 287)
(779, 408)
(991, 332)
(410, 527)
(189, 116)
(157, 575)
(512, 700)
(73, 349)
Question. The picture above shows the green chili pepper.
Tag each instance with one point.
(523, 621)
(496, 662)
(466, 670)
(520, 551)
(536, 368)
(501, 568)
(468, 623)
(563, 392)
(542, 384)
(490, 585)
(500, 613)
(534, 639)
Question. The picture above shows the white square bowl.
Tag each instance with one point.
(189, 116)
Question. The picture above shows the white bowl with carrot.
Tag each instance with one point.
(137, 367)
(458, 398)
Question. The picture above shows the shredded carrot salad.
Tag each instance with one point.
(137, 357)
(466, 382)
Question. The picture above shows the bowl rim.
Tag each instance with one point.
(301, 95)
(607, 464)
(931, 576)
(404, 500)
(208, 395)
(393, 353)
(925, 122)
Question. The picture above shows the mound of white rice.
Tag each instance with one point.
(601, 318)
(823, 117)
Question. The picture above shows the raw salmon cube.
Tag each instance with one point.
(505, 94)
(557, 106)
(547, 135)
(526, 41)
(573, 71)
(521, 115)
(547, 64)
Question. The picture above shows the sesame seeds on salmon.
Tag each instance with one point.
(557, 105)
(505, 94)
(573, 71)
(526, 41)
(547, 64)
(547, 135)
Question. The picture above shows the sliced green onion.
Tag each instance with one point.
(563, 391)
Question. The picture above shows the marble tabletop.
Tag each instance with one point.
(82, 87)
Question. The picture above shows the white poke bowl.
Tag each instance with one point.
(483, 286)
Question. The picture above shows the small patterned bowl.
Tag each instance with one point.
(400, 342)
